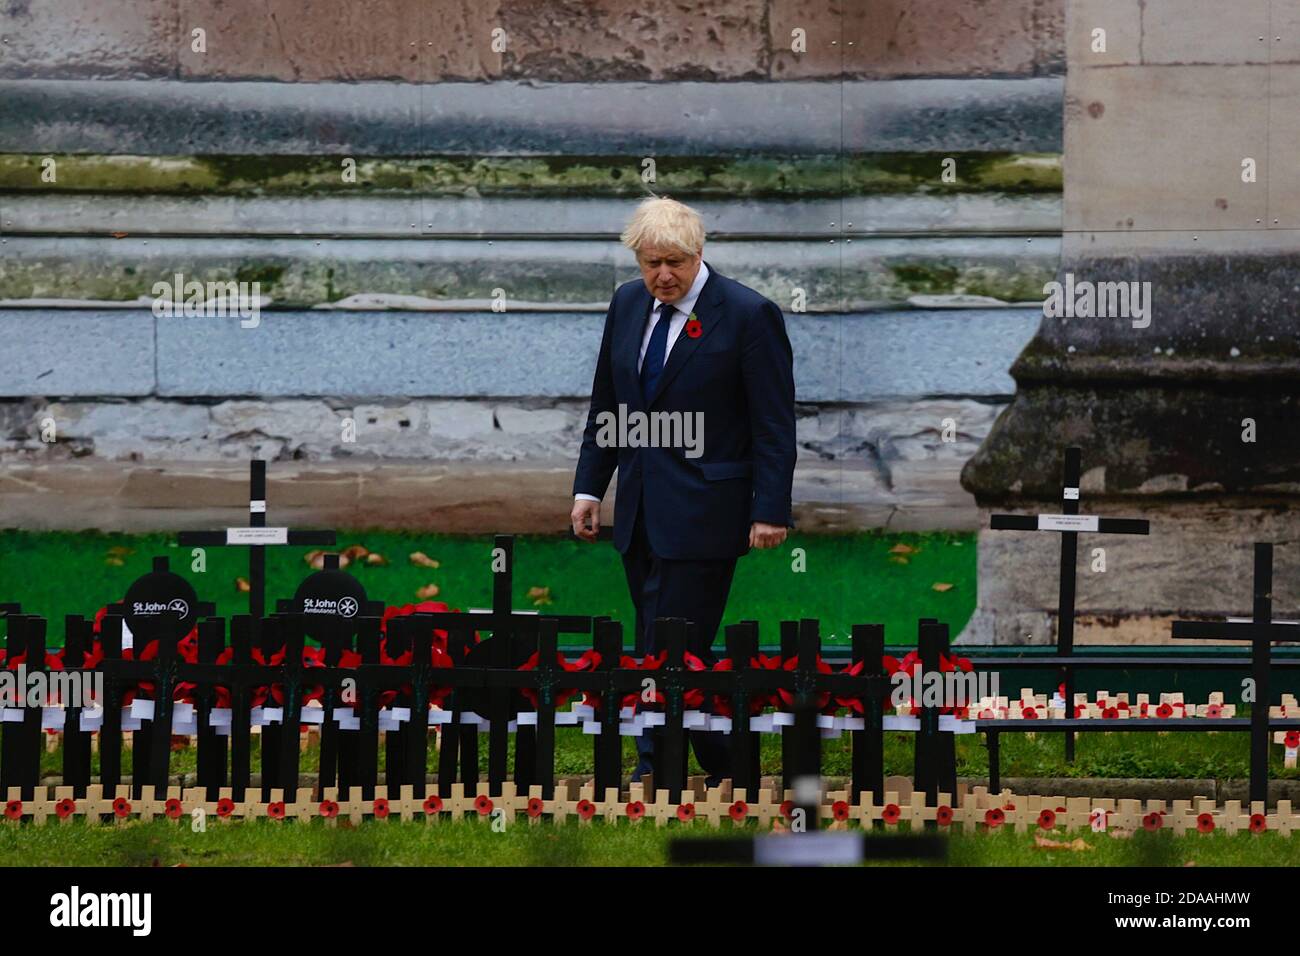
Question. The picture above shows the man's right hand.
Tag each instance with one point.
(585, 512)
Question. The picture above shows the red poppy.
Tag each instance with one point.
(329, 808)
(1008, 806)
(586, 809)
(840, 810)
(589, 661)
(172, 808)
(787, 809)
(432, 805)
(65, 808)
(275, 810)
(686, 812)
(1152, 822)
(1292, 740)
(994, 817)
(1258, 823)
(1060, 809)
(483, 804)
(943, 815)
(738, 811)
(1214, 710)
(225, 807)
(910, 664)
(381, 807)
(1205, 823)
(14, 810)
(1047, 819)
(121, 806)
(536, 805)
(891, 813)
(821, 697)
(722, 702)
(954, 663)
(1029, 713)
(635, 810)
(1164, 711)
(693, 328)
(1110, 713)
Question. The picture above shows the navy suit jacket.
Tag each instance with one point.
(740, 373)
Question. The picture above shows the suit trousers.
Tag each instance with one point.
(697, 591)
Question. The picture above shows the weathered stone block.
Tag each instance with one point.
(108, 39)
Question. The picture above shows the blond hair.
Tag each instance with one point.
(665, 222)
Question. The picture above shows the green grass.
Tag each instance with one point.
(1209, 755)
(475, 843)
(849, 579)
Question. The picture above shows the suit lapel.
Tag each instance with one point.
(709, 313)
(628, 347)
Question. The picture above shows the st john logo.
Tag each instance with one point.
(74, 908)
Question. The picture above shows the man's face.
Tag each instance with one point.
(667, 272)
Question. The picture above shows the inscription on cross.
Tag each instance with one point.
(257, 537)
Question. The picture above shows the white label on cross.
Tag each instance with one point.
(1067, 522)
(1071, 494)
(257, 536)
(256, 507)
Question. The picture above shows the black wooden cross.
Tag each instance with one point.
(256, 537)
(1069, 525)
(1262, 632)
(500, 653)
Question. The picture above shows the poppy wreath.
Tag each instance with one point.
(757, 702)
(785, 698)
(691, 699)
(910, 665)
(589, 661)
(424, 607)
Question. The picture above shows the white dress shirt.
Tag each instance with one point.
(684, 307)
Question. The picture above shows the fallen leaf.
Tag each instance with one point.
(901, 548)
(317, 559)
(1118, 833)
(1076, 845)
(115, 562)
(119, 235)
(428, 591)
(354, 551)
(941, 586)
(1190, 863)
(242, 585)
(376, 559)
(120, 551)
(899, 559)
(420, 559)
(345, 824)
(540, 596)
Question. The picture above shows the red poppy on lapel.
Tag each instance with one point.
(693, 328)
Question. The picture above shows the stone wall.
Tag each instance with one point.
(491, 184)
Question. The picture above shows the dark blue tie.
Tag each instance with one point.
(652, 366)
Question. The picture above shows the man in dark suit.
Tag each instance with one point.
(687, 341)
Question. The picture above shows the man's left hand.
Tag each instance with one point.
(762, 535)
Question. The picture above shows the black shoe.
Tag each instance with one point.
(712, 781)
